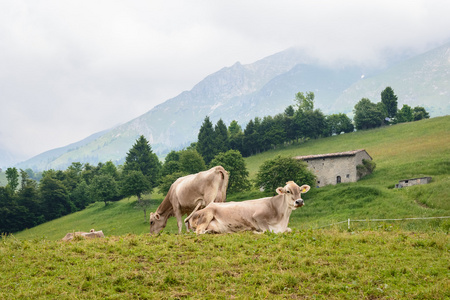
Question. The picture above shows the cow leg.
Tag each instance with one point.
(204, 221)
(190, 216)
(177, 213)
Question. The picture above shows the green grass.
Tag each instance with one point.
(324, 264)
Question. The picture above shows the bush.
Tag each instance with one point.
(365, 168)
(276, 172)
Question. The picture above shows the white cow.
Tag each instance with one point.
(260, 215)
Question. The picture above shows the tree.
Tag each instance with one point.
(304, 102)
(104, 188)
(389, 100)
(289, 111)
(311, 123)
(206, 141)
(170, 167)
(12, 176)
(55, 197)
(12, 216)
(141, 158)
(135, 183)
(234, 163)
(276, 172)
(168, 180)
(236, 136)
(252, 139)
(80, 196)
(338, 123)
(191, 162)
(367, 115)
(420, 113)
(28, 197)
(405, 114)
(109, 168)
(222, 142)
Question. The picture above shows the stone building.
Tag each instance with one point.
(414, 181)
(334, 168)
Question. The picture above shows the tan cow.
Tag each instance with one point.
(189, 193)
(259, 215)
(87, 235)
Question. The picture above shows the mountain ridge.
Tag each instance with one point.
(265, 87)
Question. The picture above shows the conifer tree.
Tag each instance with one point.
(389, 100)
(206, 141)
(222, 142)
(141, 158)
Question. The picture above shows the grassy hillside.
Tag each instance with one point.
(402, 151)
(307, 264)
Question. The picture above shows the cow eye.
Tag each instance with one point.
(152, 222)
(288, 191)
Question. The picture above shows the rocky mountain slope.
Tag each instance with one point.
(266, 87)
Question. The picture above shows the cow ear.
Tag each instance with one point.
(280, 191)
(304, 188)
(157, 216)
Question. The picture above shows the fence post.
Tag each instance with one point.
(349, 224)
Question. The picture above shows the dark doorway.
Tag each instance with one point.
(338, 179)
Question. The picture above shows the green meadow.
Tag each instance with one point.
(321, 259)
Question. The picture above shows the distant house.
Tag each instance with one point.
(414, 181)
(334, 168)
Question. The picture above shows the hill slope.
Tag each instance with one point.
(266, 87)
(402, 151)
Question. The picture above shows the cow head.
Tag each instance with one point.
(157, 222)
(293, 193)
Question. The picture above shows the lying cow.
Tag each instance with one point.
(87, 235)
(260, 215)
(188, 194)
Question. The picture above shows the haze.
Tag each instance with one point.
(70, 69)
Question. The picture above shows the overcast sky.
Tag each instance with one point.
(72, 68)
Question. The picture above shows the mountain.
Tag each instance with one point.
(46, 160)
(266, 87)
(423, 80)
(7, 158)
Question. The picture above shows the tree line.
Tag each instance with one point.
(26, 202)
(301, 122)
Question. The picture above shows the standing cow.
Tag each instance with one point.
(259, 215)
(189, 193)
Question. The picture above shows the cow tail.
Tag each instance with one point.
(222, 192)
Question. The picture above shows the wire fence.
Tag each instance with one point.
(348, 221)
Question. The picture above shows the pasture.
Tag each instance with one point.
(373, 260)
(307, 264)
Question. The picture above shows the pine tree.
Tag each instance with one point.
(222, 142)
(389, 100)
(206, 141)
(141, 158)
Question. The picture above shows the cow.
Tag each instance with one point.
(189, 193)
(259, 215)
(87, 235)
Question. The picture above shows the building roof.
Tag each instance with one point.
(329, 155)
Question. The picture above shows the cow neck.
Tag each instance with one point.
(165, 208)
(280, 204)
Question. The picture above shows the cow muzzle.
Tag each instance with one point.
(299, 203)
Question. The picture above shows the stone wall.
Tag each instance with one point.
(336, 169)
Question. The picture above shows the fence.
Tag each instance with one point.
(348, 221)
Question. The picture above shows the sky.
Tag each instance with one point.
(69, 69)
